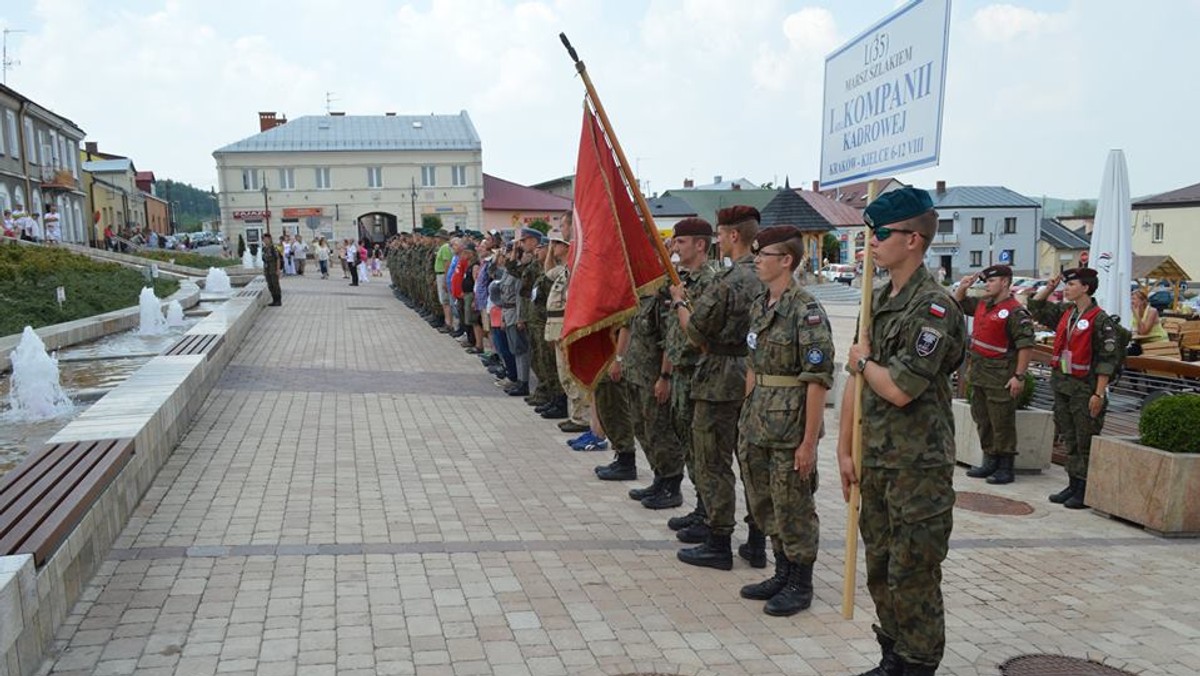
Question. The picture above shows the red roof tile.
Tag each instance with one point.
(502, 195)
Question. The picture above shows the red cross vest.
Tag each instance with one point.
(989, 338)
(1077, 340)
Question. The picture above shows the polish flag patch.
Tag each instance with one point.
(937, 310)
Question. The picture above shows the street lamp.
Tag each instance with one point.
(414, 204)
(266, 206)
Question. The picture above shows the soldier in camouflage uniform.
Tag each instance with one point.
(650, 404)
(272, 263)
(718, 324)
(553, 405)
(1085, 358)
(1001, 346)
(612, 406)
(916, 341)
(533, 280)
(579, 409)
(690, 241)
(790, 371)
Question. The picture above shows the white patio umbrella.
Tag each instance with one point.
(1111, 253)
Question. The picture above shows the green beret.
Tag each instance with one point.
(896, 206)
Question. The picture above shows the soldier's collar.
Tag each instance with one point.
(919, 276)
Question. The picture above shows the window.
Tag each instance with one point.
(30, 142)
(945, 226)
(323, 182)
(458, 175)
(287, 179)
(976, 259)
(374, 177)
(1010, 225)
(428, 176)
(250, 179)
(14, 144)
(1157, 233)
(976, 226)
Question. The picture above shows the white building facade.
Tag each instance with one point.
(979, 226)
(339, 176)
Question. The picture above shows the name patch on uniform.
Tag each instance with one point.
(1003, 314)
(813, 320)
(815, 356)
(937, 310)
(927, 341)
(752, 340)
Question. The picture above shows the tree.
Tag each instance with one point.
(241, 245)
(540, 225)
(832, 247)
(431, 222)
(1084, 209)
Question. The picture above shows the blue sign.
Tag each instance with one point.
(1006, 257)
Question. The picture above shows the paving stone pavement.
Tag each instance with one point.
(355, 497)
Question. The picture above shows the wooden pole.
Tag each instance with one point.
(630, 180)
(864, 330)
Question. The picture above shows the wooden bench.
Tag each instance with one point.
(202, 343)
(1162, 348)
(45, 497)
(1189, 339)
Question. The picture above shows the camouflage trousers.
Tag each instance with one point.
(906, 519)
(579, 405)
(612, 407)
(683, 410)
(780, 500)
(714, 443)
(542, 361)
(995, 414)
(1074, 421)
(652, 427)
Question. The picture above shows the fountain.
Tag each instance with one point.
(174, 314)
(258, 258)
(35, 393)
(152, 321)
(247, 258)
(217, 281)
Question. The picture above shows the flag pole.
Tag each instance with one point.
(630, 180)
(864, 331)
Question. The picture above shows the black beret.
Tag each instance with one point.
(737, 214)
(996, 271)
(897, 205)
(693, 227)
(1086, 276)
(780, 233)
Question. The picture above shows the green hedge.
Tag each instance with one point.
(1171, 423)
(30, 275)
(190, 260)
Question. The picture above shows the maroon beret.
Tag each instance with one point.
(1086, 276)
(775, 235)
(996, 271)
(737, 214)
(693, 227)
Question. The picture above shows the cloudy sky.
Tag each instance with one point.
(1037, 90)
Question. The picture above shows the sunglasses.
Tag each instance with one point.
(771, 253)
(883, 232)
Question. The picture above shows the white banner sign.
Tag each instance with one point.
(883, 96)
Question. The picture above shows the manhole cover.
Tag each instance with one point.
(992, 504)
(1057, 665)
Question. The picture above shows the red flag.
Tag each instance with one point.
(613, 259)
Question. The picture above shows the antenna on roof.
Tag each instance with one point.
(329, 99)
(6, 63)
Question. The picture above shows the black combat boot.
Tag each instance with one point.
(754, 549)
(1066, 493)
(914, 669)
(669, 497)
(714, 553)
(536, 399)
(520, 390)
(557, 410)
(612, 465)
(1077, 499)
(890, 663)
(697, 515)
(796, 595)
(1004, 471)
(694, 534)
(625, 469)
(763, 591)
(991, 462)
(647, 491)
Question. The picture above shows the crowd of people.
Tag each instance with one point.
(18, 223)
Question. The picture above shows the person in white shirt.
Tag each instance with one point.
(352, 261)
(52, 232)
(299, 253)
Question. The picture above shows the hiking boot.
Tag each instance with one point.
(796, 595)
(697, 515)
(714, 553)
(754, 550)
(991, 462)
(669, 497)
(694, 534)
(647, 491)
(763, 591)
(1004, 471)
(623, 469)
(1078, 498)
(1066, 493)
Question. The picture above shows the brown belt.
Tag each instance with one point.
(727, 350)
(555, 313)
(763, 380)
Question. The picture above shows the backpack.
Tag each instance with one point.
(1124, 337)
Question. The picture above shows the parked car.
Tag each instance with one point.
(838, 273)
(1162, 299)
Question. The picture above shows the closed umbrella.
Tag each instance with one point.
(1111, 253)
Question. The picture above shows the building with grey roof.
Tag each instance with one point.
(341, 176)
(981, 225)
(1059, 247)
